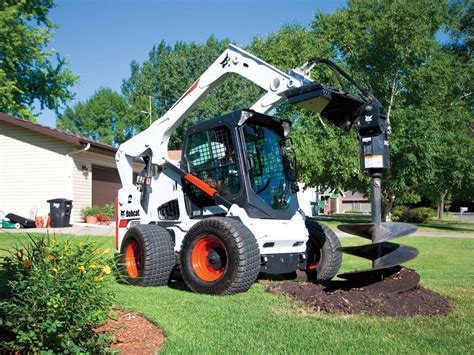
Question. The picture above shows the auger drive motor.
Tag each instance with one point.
(229, 210)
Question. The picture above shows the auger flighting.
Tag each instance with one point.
(386, 257)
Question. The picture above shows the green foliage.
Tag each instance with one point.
(27, 72)
(398, 212)
(108, 210)
(91, 211)
(57, 293)
(412, 215)
(103, 117)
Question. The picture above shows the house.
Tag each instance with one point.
(354, 201)
(38, 163)
(313, 202)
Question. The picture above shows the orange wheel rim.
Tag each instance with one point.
(133, 259)
(314, 257)
(209, 258)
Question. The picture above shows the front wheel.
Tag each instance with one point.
(219, 256)
(147, 255)
(324, 258)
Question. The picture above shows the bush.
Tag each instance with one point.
(57, 293)
(412, 215)
(419, 215)
(398, 213)
(108, 210)
(91, 211)
(103, 214)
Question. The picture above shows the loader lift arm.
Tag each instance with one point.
(154, 140)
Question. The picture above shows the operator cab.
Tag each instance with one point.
(243, 156)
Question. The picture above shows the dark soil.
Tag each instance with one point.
(380, 299)
(133, 333)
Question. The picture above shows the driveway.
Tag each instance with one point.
(467, 216)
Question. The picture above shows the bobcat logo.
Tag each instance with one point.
(122, 213)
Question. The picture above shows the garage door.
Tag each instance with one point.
(105, 183)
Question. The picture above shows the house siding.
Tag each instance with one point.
(82, 186)
(97, 159)
(82, 183)
(33, 169)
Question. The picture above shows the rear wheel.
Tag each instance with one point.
(147, 255)
(219, 256)
(324, 258)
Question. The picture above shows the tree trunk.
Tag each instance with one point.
(442, 196)
(387, 205)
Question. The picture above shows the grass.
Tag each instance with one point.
(449, 225)
(258, 322)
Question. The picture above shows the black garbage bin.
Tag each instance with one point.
(60, 212)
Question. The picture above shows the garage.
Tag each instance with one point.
(105, 183)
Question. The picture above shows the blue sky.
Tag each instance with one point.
(102, 37)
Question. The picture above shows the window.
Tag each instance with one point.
(269, 176)
(211, 156)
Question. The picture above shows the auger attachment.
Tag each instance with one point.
(386, 256)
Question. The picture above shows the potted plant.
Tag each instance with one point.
(90, 214)
(103, 219)
(106, 214)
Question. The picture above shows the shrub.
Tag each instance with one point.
(91, 211)
(412, 215)
(57, 293)
(106, 213)
(419, 215)
(398, 212)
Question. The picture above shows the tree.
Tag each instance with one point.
(446, 84)
(103, 117)
(327, 156)
(169, 71)
(385, 43)
(27, 72)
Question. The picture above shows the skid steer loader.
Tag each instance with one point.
(229, 210)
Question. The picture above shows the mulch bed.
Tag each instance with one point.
(378, 301)
(133, 333)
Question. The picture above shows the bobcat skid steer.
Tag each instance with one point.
(229, 209)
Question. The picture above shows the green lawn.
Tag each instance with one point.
(258, 322)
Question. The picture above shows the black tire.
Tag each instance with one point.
(324, 258)
(219, 256)
(290, 275)
(147, 255)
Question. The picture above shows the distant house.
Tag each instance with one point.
(354, 201)
(38, 163)
(330, 202)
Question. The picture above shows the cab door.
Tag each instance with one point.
(211, 156)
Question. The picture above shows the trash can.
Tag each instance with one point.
(60, 212)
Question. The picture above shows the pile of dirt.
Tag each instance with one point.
(382, 300)
(133, 333)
